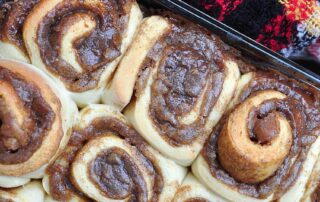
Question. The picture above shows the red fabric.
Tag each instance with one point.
(280, 25)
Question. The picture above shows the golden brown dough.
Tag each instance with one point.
(79, 43)
(182, 78)
(36, 117)
(265, 146)
(106, 159)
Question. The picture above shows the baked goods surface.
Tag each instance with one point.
(106, 159)
(79, 43)
(265, 147)
(312, 192)
(173, 97)
(182, 77)
(12, 17)
(30, 192)
(192, 190)
(36, 117)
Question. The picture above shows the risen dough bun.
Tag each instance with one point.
(183, 81)
(107, 160)
(36, 116)
(79, 43)
(266, 145)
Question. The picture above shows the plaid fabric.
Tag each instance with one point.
(290, 27)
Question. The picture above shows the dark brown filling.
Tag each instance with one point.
(191, 68)
(14, 136)
(196, 200)
(18, 143)
(315, 196)
(263, 125)
(118, 176)
(301, 109)
(100, 47)
(266, 129)
(113, 171)
(12, 17)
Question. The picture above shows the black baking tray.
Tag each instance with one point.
(261, 56)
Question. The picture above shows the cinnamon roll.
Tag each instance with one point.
(107, 160)
(36, 118)
(192, 190)
(12, 17)
(79, 43)
(183, 78)
(312, 192)
(265, 147)
(32, 191)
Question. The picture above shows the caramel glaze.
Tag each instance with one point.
(191, 62)
(94, 51)
(301, 109)
(12, 17)
(113, 171)
(18, 143)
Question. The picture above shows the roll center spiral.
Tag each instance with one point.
(13, 135)
(252, 135)
(110, 169)
(78, 39)
(118, 176)
(265, 129)
(185, 88)
(25, 117)
(15, 122)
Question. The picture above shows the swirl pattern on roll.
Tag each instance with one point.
(183, 78)
(266, 145)
(35, 121)
(106, 159)
(12, 17)
(79, 43)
